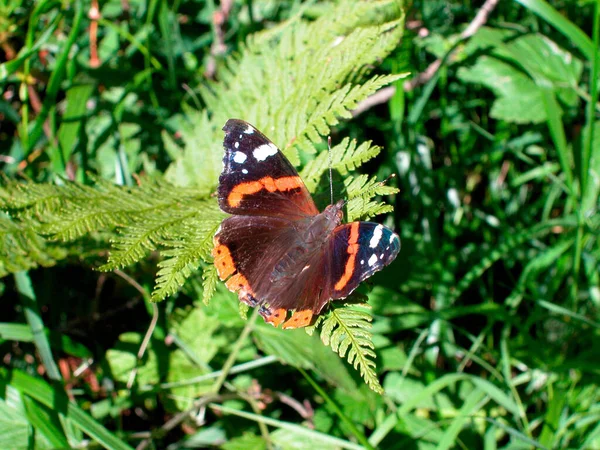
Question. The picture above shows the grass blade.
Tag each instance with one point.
(58, 401)
(32, 314)
(562, 24)
(55, 80)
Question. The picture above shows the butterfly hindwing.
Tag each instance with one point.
(257, 178)
(261, 259)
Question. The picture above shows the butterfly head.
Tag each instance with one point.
(335, 211)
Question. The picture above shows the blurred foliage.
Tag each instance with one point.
(483, 333)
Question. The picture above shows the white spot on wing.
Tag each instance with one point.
(239, 157)
(237, 144)
(381, 256)
(264, 151)
(244, 171)
(392, 237)
(305, 267)
(362, 261)
(376, 236)
(249, 130)
(372, 260)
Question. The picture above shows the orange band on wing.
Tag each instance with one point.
(275, 317)
(223, 260)
(270, 184)
(299, 319)
(238, 282)
(352, 250)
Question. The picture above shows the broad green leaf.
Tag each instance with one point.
(199, 344)
(46, 422)
(77, 97)
(518, 98)
(122, 359)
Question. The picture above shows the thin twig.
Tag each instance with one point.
(304, 409)
(218, 46)
(151, 327)
(180, 417)
(144, 345)
(385, 94)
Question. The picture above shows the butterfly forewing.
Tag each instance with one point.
(359, 250)
(257, 178)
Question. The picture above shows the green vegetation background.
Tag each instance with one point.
(484, 333)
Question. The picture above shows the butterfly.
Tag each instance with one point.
(276, 250)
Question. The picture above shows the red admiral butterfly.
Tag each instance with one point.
(276, 250)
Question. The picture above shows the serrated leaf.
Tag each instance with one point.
(345, 157)
(518, 99)
(360, 191)
(198, 344)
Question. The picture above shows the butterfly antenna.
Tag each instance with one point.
(330, 169)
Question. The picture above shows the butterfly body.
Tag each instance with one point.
(277, 251)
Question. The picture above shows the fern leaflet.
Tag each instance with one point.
(347, 331)
(360, 192)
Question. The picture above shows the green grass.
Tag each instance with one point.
(483, 332)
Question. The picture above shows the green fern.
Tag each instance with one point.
(21, 248)
(210, 279)
(296, 81)
(183, 257)
(345, 157)
(346, 330)
(361, 190)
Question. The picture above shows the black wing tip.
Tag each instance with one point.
(235, 124)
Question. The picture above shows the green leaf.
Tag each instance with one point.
(562, 24)
(198, 343)
(14, 423)
(361, 190)
(210, 279)
(345, 157)
(122, 359)
(518, 100)
(76, 98)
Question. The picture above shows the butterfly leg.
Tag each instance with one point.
(299, 319)
(273, 317)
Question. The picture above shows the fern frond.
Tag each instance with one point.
(183, 258)
(347, 331)
(345, 157)
(320, 69)
(199, 163)
(337, 104)
(360, 191)
(21, 248)
(210, 279)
